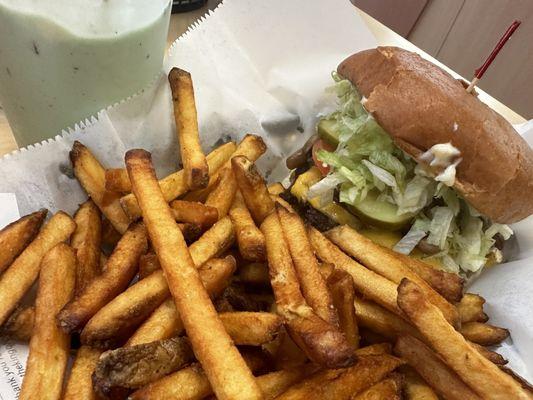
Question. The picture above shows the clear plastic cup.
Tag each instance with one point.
(63, 60)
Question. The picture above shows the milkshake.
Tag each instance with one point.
(63, 60)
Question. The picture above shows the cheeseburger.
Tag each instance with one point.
(410, 151)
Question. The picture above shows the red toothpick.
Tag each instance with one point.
(478, 73)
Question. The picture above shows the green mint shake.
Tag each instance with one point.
(63, 60)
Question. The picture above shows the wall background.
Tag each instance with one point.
(461, 33)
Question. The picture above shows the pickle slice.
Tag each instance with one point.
(326, 131)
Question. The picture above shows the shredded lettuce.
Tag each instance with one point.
(366, 159)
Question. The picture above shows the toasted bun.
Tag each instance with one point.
(420, 105)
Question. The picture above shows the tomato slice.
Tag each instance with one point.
(321, 145)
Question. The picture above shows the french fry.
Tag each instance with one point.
(252, 187)
(483, 334)
(192, 156)
(251, 146)
(250, 240)
(148, 263)
(414, 386)
(432, 369)
(224, 366)
(213, 242)
(19, 325)
(110, 236)
(380, 320)
(115, 321)
(448, 284)
(102, 261)
(343, 383)
(165, 322)
(16, 236)
(322, 342)
(521, 381)
(80, 383)
(194, 213)
(275, 189)
(189, 383)
(389, 388)
(175, 184)
(21, 274)
(373, 286)
(86, 241)
(370, 338)
(470, 308)
(120, 269)
(190, 232)
(223, 193)
(374, 349)
(49, 346)
(255, 274)
(136, 366)
(275, 383)
(488, 354)
(386, 264)
(475, 370)
(312, 283)
(117, 180)
(340, 285)
(251, 328)
(287, 354)
(91, 176)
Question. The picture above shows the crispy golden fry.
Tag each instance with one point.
(448, 284)
(489, 354)
(275, 189)
(194, 213)
(189, 383)
(80, 383)
(250, 240)
(286, 354)
(102, 261)
(340, 285)
(380, 320)
(86, 241)
(251, 328)
(343, 383)
(474, 369)
(117, 180)
(252, 187)
(370, 338)
(368, 283)
(414, 386)
(224, 366)
(136, 366)
(322, 342)
(251, 146)
(148, 263)
(110, 235)
(192, 156)
(16, 236)
(222, 195)
(470, 308)
(483, 334)
(49, 346)
(115, 321)
(312, 283)
(175, 184)
(21, 274)
(385, 263)
(254, 274)
(165, 322)
(374, 349)
(275, 383)
(521, 381)
(214, 242)
(91, 176)
(120, 269)
(389, 388)
(432, 369)
(19, 325)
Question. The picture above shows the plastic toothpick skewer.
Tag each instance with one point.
(478, 73)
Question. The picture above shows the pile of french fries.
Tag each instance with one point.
(207, 284)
